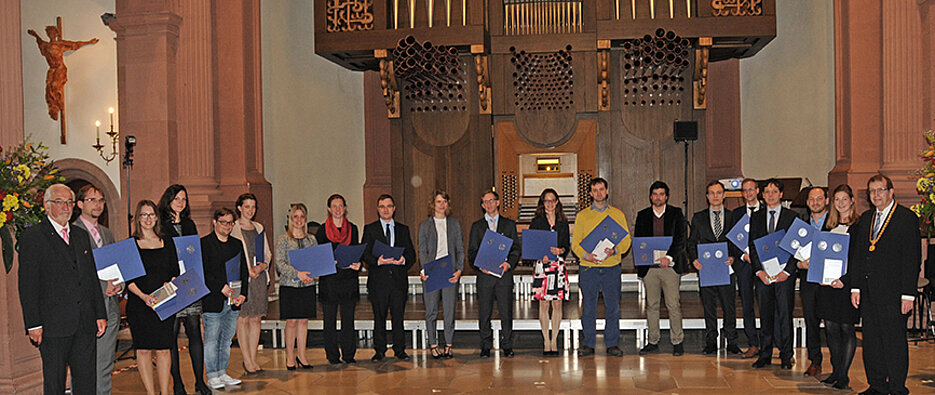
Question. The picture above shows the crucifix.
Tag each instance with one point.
(53, 51)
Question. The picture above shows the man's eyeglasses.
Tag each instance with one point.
(226, 223)
(95, 200)
(59, 202)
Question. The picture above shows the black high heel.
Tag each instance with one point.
(435, 353)
(448, 354)
(245, 371)
(299, 363)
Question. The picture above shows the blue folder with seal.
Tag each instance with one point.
(713, 271)
(317, 260)
(538, 243)
(494, 249)
(439, 272)
(120, 261)
(829, 257)
(648, 250)
(348, 254)
(190, 288)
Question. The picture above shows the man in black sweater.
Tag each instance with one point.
(220, 311)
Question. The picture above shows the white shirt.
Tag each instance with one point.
(441, 231)
(492, 221)
(391, 238)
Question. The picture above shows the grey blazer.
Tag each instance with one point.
(428, 242)
(111, 304)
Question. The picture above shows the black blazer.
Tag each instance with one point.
(758, 229)
(215, 256)
(343, 284)
(561, 227)
(387, 275)
(188, 228)
(58, 285)
(702, 233)
(892, 269)
(673, 224)
(506, 227)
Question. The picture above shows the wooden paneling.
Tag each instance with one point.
(722, 120)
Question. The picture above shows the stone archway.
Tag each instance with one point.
(80, 169)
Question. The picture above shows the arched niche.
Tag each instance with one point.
(79, 169)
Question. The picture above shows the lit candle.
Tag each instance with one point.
(98, 125)
(111, 110)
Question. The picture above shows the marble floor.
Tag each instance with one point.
(660, 373)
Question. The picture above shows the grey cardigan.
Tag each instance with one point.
(288, 276)
(428, 242)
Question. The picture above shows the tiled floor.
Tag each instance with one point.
(529, 373)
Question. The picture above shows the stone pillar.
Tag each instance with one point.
(20, 366)
(376, 147)
(147, 52)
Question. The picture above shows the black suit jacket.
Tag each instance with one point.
(58, 285)
(702, 233)
(506, 227)
(386, 276)
(673, 224)
(758, 229)
(892, 269)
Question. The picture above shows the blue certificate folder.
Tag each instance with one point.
(348, 254)
(739, 235)
(493, 252)
(538, 243)
(798, 236)
(713, 271)
(191, 288)
(188, 249)
(644, 247)
(124, 254)
(381, 248)
(439, 272)
(830, 248)
(259, 247)
(768, 247)
(606, 229)
(317, 260)
(233, 268)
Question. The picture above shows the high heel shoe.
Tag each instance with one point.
(247, 372)
(299, 363)
(435, 353)
(447, 354)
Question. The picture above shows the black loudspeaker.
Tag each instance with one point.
(685, 131)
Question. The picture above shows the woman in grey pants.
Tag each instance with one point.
(440, 235)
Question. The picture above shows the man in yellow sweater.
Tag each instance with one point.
(599, 276)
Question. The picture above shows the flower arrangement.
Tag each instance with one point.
(25, 173)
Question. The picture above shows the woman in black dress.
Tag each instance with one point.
(150, 334)
(550, 286)
(297, 300)
(175, 220)
(834, 302)
(339, 290)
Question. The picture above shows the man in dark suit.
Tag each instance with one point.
(776, 294)
(661, 219)
(884, 259)
(746, 280)
(91, 202)
(63, 308)
(387, 280)
(808, 292)
(709, 226)
(489, 287)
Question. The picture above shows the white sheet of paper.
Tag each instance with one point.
(599, 249)
(169, 289)
(804, 252)
(832, 272)
(772, 267)
(658, 254)
(181, 267)
(109, 273)
(235, 286)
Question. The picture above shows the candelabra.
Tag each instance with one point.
(114, 138)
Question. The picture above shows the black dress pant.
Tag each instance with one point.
(388, 299)
(490, 288)
(747, 282)
(348, 339)
(886, 351)
(842, 344)
(710, 296)
(79, 352)
(196, 351)
(776, 313)
(808, 293)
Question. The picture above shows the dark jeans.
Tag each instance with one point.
(809, 296)
(842, 343)
(348, 339)
(747, 283)
(196, 350)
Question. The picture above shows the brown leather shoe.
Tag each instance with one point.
(813, 370)
(751, 352)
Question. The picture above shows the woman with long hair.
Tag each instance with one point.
(151, 335)
(439, 236)
(834, 302)
(339, 291)
(550, 286)
(254, 309)
(175, 220)
(297, 301)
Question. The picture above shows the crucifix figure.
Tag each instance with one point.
(55, 78)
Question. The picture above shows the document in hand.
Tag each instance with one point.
(829, 257)
(120, 260)
(607, 232)
(538, 243)
(163, 294)
(317, 260)
(439, 272)
(798, 239)
(232, 266)
(772, 257)
(494, 249)
(259, 248)
(739, 234)
(648, 250)
(381, 248)
(713, 271)
(348, 254)
(188, 249)
(190, 288)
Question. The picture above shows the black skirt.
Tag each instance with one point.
(834, 304)
(297, 303)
